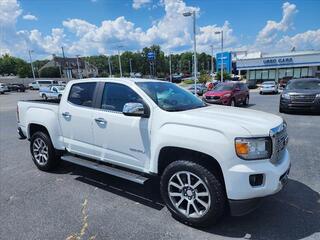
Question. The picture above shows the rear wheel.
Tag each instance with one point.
(192, 193)
(246, 101)
(59, 96)
(43, 153)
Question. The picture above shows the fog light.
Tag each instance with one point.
(256, 180)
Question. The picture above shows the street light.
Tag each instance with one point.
(34, 77)
(193, 14)
(119, 58)
(211, 60)
(221, 64)
(79, 75)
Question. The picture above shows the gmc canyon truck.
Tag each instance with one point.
(210, 159)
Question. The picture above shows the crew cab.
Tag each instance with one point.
(210, 159)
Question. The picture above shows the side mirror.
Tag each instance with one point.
(135, 109)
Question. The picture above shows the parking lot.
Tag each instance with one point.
(40, 205)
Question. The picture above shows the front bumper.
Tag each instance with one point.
(308, 106)
(237, 182)
(221, 101)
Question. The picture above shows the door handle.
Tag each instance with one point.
(66, 114)
(100, 120)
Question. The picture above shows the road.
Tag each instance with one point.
(40, 205)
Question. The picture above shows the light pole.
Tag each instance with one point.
(119, 58)
(79, 75)
(193, 14)
(170, 67)
(31, 63)
(130, 66)
(221, 63)
(211, 59)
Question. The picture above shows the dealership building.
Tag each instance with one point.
(261, 67)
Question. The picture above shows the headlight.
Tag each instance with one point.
(318, 95)
(285, 96)
(227, 95)
(253, 148)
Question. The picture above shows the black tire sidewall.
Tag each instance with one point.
(52, 158)
(214, 186)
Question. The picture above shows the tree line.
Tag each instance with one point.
(180, 63)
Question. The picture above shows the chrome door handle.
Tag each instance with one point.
(66, 114)
(100, 120)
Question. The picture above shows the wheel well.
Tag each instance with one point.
(170, 154)
(33, 128)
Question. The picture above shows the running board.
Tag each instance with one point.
(105, 169)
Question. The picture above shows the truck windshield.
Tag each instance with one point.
(303, 84)
(170, 97)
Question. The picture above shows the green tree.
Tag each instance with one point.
(225, 75)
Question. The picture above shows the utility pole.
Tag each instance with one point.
(110, 69)
(34, 77)
(211, 59)
(221, 63)
(119, 58)
(64, 63)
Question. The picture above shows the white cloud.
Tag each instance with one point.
(30, 17)
(269, 33)
(136, 4)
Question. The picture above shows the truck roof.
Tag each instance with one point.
(120, 80)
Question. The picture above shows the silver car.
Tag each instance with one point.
(269, 87)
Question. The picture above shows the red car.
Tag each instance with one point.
(228, 93)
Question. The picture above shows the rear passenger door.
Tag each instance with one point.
(122, 140)
(76, 118)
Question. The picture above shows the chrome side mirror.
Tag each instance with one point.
(134, 109)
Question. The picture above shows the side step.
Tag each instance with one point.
(105, 169)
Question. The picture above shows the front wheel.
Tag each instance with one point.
(233, 103)
(193, 194)
(43, 153)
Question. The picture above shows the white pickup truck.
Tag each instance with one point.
(210, 159)
(52, 91)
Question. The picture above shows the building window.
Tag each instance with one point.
(265, 75)
(282, 73)
(272, 74)
(258, 74)
(296, 72)
(304, 72)
(310, 72)
(289, 72)
(252, 75)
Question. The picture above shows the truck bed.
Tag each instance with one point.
(42, 101)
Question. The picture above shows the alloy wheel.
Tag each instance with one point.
(40, 151)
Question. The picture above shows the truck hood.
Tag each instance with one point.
(225, 118)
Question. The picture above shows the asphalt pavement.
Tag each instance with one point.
(57, 205)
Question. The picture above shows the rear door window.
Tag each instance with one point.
(82, 94)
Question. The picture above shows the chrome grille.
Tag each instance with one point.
(302, 98)
(279, 142)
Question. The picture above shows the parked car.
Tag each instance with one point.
(301, 94)
(252, 84)
(228, 93)
(3, 88)
(16, 87)
(139, 128)
(269, 87)
(41, 83)
(201, 89)
(53, 92)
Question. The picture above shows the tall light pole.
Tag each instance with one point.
(130, 66)
(221, 63)
(193, 14)
(211, 59)
(170, 67)
(34, 77)
(79, 75)
(119, 58)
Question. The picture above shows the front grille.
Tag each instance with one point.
(213, 97)
(279, 142)
(302, 98)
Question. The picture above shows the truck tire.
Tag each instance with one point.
(193, 194)
(43, 153)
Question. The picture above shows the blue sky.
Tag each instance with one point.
(251, 25)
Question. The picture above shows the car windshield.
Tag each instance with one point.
(60, 88)
(303, 84)
(223, 87)
(170, 97)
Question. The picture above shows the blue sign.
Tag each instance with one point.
(226, 59)
(151, 56)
